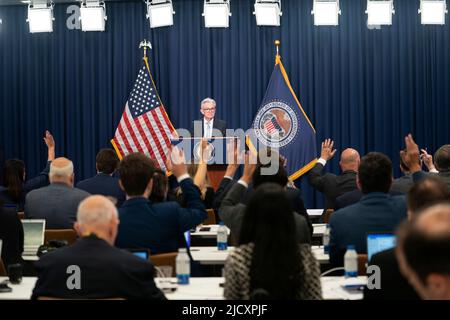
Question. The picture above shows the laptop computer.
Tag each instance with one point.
(379, 241)
(33, 236)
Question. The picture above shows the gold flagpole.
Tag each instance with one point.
(277, 44)
(145, 44)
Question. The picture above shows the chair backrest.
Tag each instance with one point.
(21, 215)
(362, 264)
(2, 269)
(211, 219)
(164, 260)
(68, 235)
(327, 216)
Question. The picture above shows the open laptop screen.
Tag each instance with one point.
(377, 242)
(33, 233)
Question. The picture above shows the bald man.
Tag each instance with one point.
(423, 253)
(104, 271)
(331, 185)
(58, 202)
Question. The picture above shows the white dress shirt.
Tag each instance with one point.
(208, 126)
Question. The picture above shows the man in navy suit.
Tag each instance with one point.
(209, 126)
(104, 183)
(156, 226)
(377, 211)
(92, 268)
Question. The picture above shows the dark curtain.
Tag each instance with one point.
(363, 88)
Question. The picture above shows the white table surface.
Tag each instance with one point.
(20, 291)
(209, 288)
(319, 230)
(212, 233)
(202, 289)
(314, 212)
(212, 256)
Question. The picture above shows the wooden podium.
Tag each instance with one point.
(216, 172)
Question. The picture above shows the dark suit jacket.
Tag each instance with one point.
(354, 196)
(402, 185)
(217, 124)
(56, 203)
(11, 232)
(103, 184)
(159, 226)
(444, 175)
(393, 285)
(376, 212)
(331, 185)
(232, 213)
(106, 272)
(41, 180)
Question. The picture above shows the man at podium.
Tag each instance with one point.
(209, 126)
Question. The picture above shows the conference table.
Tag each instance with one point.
(213, 256)
(210, 231)
(204, 288)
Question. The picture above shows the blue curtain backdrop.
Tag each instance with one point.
(363, 88)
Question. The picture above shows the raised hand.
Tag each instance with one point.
(250, 164)
(327, 150)
(427, 160)
(411, 156)
(176, 162)
(50, 142)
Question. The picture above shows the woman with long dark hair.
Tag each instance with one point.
(268, 259)
(15, 187)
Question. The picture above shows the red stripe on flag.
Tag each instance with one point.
(133, 135)
(125, 139)
(154, 135)
(169, 124)
(161, 128)
(144, 136)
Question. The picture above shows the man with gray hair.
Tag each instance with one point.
(99, 270)
(209, 126)
(58, 202)
(422, 253)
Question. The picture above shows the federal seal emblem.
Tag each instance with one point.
(276, 124)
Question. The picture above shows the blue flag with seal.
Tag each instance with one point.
(282, 124)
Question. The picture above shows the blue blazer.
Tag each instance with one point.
(103, 184)
(159, 226)
(374, 213)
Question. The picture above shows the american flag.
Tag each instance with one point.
(144, 126)
(272, 126)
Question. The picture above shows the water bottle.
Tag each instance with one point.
(351, 262)
(183, 266)
(222, 237)
(326, 240)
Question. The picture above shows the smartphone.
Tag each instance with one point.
(205, 229)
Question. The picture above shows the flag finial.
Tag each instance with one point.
(277, 44)
(145, 44)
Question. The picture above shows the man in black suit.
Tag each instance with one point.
(393, 284)
(209, 126)
(332, 185)
(93, 268)
(104, 183)
(404, 183)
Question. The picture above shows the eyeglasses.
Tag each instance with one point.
(209, 109)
